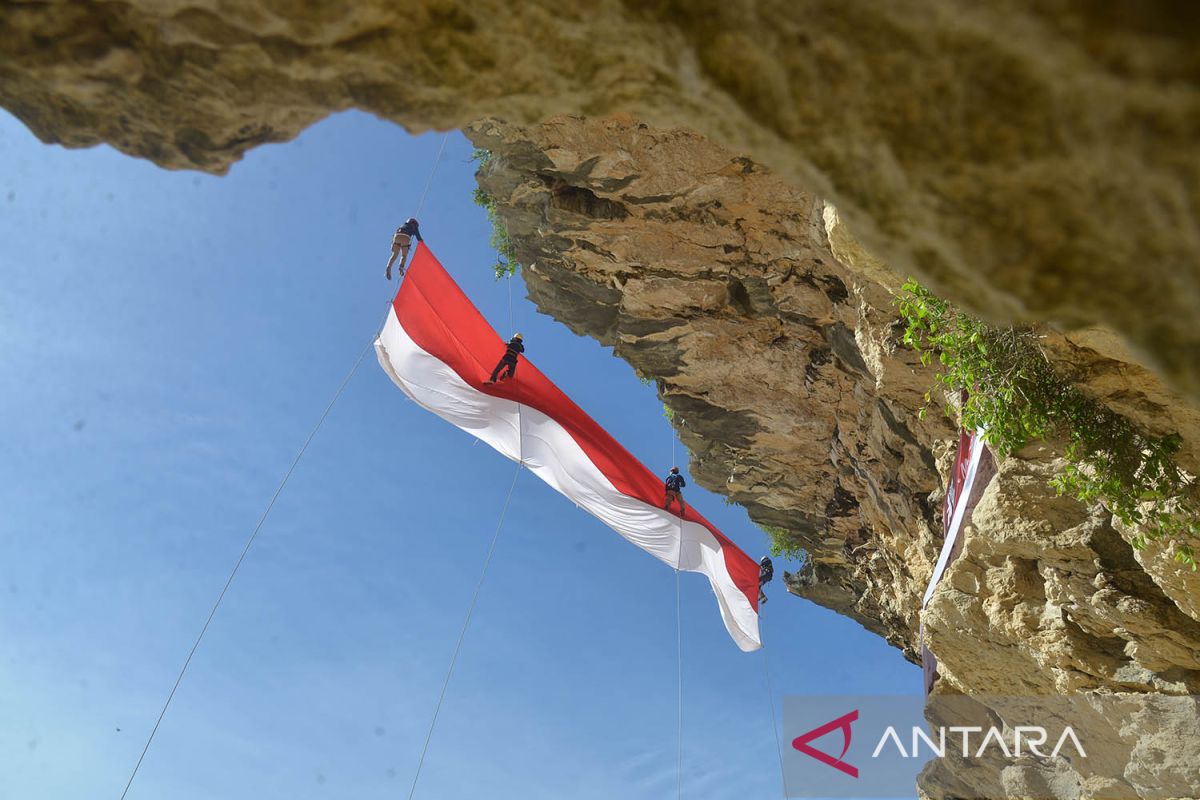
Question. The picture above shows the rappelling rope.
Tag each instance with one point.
(679, 677)
(463, 633)
(267, 512)
(495, 536)
(432, 172)
(774, 721)
(238, 564)
(678, 642)
(510, 303)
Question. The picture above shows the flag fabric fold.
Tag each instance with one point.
(437, 347)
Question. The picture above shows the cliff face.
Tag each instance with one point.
(1029, 160)
(710, 274)
(772, 337)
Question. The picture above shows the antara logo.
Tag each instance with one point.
(843, 722)
(1033, 736)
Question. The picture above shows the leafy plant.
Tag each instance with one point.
(506, 265)
(1014, 394)
(481, 157)
(782, 543)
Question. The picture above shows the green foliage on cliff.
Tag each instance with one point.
(1014, 393)
(782, 543)
(506, 265)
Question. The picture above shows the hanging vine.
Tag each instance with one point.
(1015, 395)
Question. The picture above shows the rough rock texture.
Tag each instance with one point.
(1029, 159)
(710, 274)
(1048, 598)
(771, 334)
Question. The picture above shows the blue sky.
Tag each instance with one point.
(169, 339)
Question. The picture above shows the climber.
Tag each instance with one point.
(766, 571)
(674, 487)
(508, 361)
(400, 245)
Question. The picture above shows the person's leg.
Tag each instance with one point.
(400, 243)
(512, 370)
(395, 251)
(496, 371)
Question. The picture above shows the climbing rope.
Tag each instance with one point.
(678, 642)
(432, 172)
(774, 721)
(495, 536)
(486, 562)
(267, 512)
(679, 676)
(238, 565)
(463, 633)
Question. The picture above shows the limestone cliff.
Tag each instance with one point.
(711, 275)
(773, 339)
(1028, 159)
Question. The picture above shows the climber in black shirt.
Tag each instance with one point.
(766, 571)
(508, 361)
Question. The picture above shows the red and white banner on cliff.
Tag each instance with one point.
(962, 480)
(438, 348)
(973, 468)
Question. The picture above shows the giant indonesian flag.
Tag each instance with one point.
(438, 348)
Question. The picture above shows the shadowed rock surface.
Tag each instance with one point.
(788, 384)
(1030, 160)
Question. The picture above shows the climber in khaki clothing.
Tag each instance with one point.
(401, 242)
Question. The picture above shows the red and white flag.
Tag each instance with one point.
(439, 350)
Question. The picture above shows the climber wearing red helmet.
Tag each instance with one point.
(674, 487)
